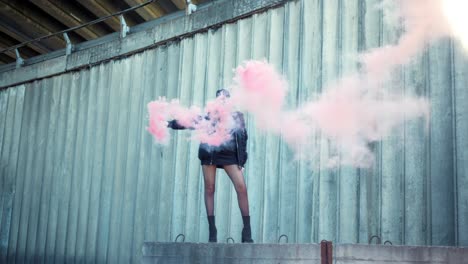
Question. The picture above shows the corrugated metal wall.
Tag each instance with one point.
(82, 180)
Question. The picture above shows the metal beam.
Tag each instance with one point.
(181, 4)
(6, 42)
(168, 6)
(71, 17)
(15, 20)
(104, 8)
(148, 12)
(4, 59)
(21, 37)
(10, 53)
(45, 20)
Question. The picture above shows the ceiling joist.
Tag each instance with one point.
(25, 20)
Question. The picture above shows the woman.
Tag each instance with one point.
(231, 157)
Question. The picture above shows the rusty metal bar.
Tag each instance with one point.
(326, 252)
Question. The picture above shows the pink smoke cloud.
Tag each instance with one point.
(347, 113)
(211, 126)
(260, 90)
(422, 21)
(158, 116)
(351, 114)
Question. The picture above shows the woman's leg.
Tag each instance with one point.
(237, 179)
(209, 176)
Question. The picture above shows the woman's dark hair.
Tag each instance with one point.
(223, 92)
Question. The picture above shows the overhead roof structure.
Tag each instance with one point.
(24, 20)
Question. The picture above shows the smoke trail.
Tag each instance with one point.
(347, 114)
(422, 22)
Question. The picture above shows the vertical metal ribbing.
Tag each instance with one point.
(442, 170)
(460, 80)
(89, 157)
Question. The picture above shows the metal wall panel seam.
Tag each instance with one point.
(108, 165)
(101, 75)
(4, 102)
(262, 200)
(154, 169)
(28, 175)
(291, 71)
(190, 219)
(197, 98)
(90, 160)
(131, 170)
(363, 215)
(41, 205)
(442, 158)
(256, 172)
(403, 174)
(328, 186)
(203, 230)
(301, 198)
(144, 140)
(7, 188)
(318, 143)
(186, 98)
(152, 200)
(79, 171)
(41, 239)
(454, 141)
(18, 181)
(227, 80)
(68, 172)
(281, 172)
(175, 146)
(426, 156)
(171, 152)
(53, 202)
(36, 175)
(380, 144)
(125, 106)
(93, 154)
(461, 82)
(129, 195)
(295, 15)
(391, 163)
(178, 195)
(276, 57)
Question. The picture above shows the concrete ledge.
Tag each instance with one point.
(366, 254)
(154, 252)
(141, 37)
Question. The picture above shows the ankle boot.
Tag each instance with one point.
(212, 228)
(246, 231)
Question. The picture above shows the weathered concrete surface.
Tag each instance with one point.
(185, 253)
(141, 37)
(364, 254)
(207, 253)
